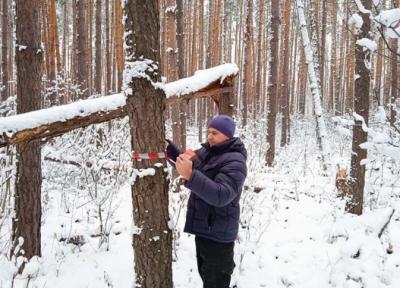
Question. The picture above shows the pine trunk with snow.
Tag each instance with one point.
(29, 59)
(315, 87)
(361, 106)
(152, 242)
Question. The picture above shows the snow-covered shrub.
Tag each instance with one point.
(84, 170)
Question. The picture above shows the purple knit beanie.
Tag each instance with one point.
(224, 124)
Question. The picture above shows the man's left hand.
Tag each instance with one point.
(184, 166)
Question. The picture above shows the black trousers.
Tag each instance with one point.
(215, 262)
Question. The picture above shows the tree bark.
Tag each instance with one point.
(81, 52)
(260, 62)
(361, 107)
(29, 60)
(273, 81)
(183, 105)
(333, 78)
(211, 9)
(247, 80)
(394, 80)
(74, 44)
(64, 39)
(285, 92)
(119, 51)
(378, 70)
(53, 41)
(98, 47)
(4, 49)
(322, 52)
(107, 49)
(44, 36)
(153, 244)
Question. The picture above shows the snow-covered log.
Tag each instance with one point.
(55, 121)
(314, 86)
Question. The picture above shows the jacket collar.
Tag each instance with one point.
(222, 147)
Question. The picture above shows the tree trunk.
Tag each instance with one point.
(350, 74)
(180, 39)
(108, 49)
(201, 102)
(260, 62)
(343, 59)
(4, 48)
(322, 52)
(26, 224)
(81, 51)
(285, 79)
(247, 80)
(361, 107)
(52, 21)
(315, 88)
(333, 78)
(119, 51)
(98, 47)
(64, 39)
(378, 70)
(294, 96)
(211, 9)
(88, 46)
(302, 83)
(216, 34)
(273, 81)
(74, 44)
(394, 79)
(153, 244)
(44, 35)
(183, 109)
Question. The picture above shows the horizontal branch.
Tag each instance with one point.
(42, 124)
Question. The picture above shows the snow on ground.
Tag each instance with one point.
(70, 265)
(293, 232)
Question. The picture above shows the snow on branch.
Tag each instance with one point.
(367, 44)
(201, 79)
(390, 19)
(57, 120)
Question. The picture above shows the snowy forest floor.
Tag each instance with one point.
(294, 232)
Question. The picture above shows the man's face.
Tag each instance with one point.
(215, 137)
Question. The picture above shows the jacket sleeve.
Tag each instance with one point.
(225, 187)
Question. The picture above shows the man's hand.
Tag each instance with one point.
(184, 166)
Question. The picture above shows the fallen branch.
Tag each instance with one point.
(55, 121)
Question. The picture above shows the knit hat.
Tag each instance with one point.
(224, 124)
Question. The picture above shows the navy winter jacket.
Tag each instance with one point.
(216, 184)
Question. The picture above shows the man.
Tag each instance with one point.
(215, 177)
